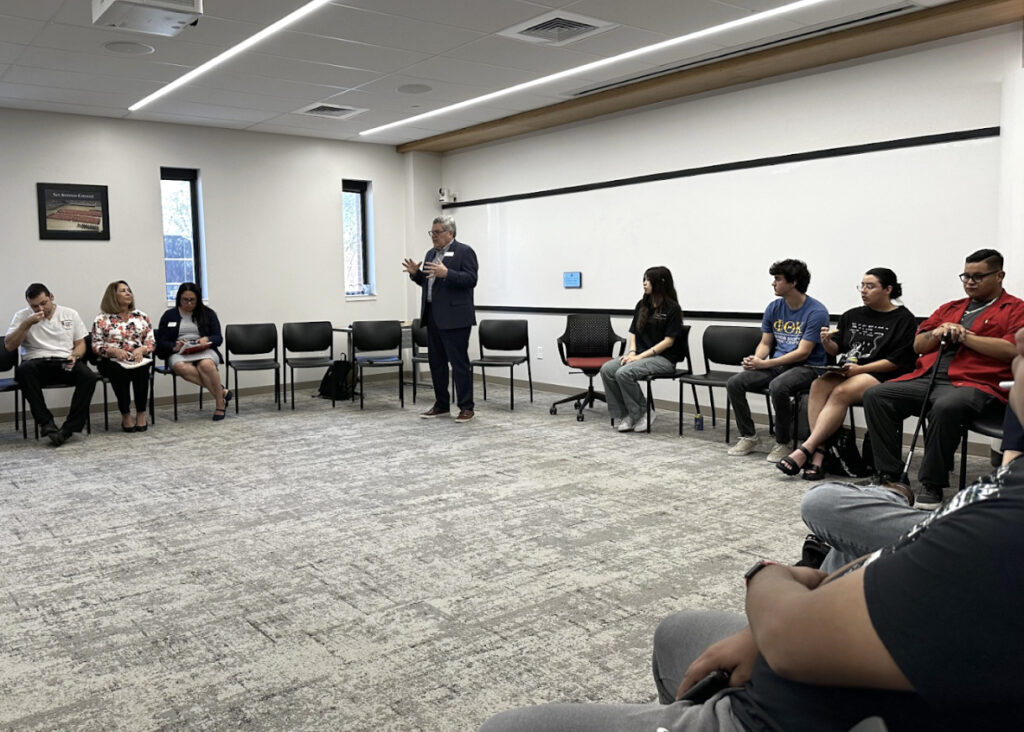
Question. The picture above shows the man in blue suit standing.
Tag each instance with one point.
(447, 276)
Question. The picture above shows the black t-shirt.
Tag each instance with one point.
(945, 600)
(875, 335)
(665, 322)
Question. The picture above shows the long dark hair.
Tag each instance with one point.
(199, 314)
(663, 294)
(887, 278)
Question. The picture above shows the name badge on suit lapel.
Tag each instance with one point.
(172, 325)
(449, 254)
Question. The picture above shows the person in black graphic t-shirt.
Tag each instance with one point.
(874, 342)
(922, 634)
(654, 348)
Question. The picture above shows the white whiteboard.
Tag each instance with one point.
(918, 211)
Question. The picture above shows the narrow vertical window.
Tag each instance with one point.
(183, 246)
(355, 210)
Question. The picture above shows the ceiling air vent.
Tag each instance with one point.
(331, 111)
(557, 28)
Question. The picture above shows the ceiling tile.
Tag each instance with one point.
(488, 16)
(670, 17)
(36, 9)
(9, 52)
(275, 67)
(18, 30)
(490, 78)
(394, 31)
(260, 12)
(320, 49)
(90, 40)
(85, 82)
(219, 97)
(219, 78)
(66, 96)
(209, 111)
(111, 65)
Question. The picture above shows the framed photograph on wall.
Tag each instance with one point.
(72, 211)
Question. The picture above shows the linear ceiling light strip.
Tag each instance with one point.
(230, 53)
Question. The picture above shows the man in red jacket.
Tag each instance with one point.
(970, 344)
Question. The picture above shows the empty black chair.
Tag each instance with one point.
(587, 343)
(253, 339)
(316, 336)
(504, 335)
(727, 345)
(685, 370)
(376, 336)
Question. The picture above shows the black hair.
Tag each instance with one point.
(663, 293)
(36, 289)
(887, 278)
(199, 314)
(795, 271)
(991, 256)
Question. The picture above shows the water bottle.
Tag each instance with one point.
(698, 422)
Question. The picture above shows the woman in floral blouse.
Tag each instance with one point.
(123, 337)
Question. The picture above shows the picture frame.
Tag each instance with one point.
(73, 211)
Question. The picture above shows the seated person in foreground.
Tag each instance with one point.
(188, 337)
(654, 347)
(876, 341)
(52, 338)
(880, 637)
(790, 345)
(123, 337)
(969, 344)
(854, 519)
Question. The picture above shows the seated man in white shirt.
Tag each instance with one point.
(52, 339)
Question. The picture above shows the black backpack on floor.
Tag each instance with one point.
(337, 382)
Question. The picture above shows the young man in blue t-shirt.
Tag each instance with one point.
(790, 345)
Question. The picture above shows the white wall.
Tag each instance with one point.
(945, 86)
(272, 206)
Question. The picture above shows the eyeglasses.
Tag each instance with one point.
(869, 286)
(433, 233)
(965, 278)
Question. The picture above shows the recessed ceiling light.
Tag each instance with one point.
(414, 89)
(129, 47)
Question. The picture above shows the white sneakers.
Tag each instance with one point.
(778, 452)
(745, 445)
(626, 424)
(641, 426)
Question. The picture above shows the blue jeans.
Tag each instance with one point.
(856, 519)
(624, 395)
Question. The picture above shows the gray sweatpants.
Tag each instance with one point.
(679, 639)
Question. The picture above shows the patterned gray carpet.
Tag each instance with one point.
(343, 570)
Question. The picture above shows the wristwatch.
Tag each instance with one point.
(758, 566)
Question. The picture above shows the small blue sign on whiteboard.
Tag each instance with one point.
(572, 280)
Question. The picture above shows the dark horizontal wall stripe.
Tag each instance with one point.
(834, 152)
(687, 314)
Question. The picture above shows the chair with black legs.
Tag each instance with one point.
(988, 423)
(165, 369)
(685, 370)
(587, 343)
(253, 339)
(380, 341)
(8, 362)
(504, 335)
(310, 337)
(727, 345)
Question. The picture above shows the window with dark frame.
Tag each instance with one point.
(183, 245)
(355, 207)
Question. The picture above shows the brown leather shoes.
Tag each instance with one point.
(435, 412)
(464, 416)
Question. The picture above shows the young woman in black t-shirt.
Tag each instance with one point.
(877, 342)
(654, 347)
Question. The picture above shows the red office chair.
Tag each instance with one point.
(587, 344)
